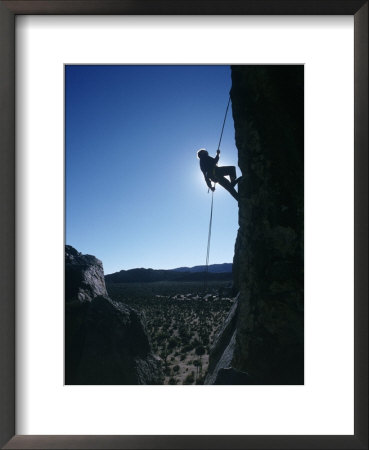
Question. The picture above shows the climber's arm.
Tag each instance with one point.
(216, 159)
(208, 182)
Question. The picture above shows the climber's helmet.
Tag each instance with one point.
(201, 153)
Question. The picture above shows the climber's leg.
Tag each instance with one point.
(228, 186)
(234, 182)
(226, 171)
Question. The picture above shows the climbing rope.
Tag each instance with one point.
(224, 121)
(212, 204)
(209, 238)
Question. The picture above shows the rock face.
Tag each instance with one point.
(267, 345)
(84, 278)
(220, 370)
(106, 342)
(222, 348)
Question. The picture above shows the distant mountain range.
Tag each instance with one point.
(197, 273)
(213, 268)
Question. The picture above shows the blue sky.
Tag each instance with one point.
(135, 195)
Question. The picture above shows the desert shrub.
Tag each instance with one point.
(172, 343)
(185, 339)
(173, 381)
(189, 379)
(186, 348)
(176, 368)
(200, 350)
(195, 343)
(160, 337)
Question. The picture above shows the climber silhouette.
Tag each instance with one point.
(212, 172)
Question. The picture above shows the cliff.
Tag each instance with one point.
(266, 344)
(105, 341)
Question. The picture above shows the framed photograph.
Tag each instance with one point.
(184, 224)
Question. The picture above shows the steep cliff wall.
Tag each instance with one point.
(268, 113)
(105, 341)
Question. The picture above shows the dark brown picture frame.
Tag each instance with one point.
(8, 11)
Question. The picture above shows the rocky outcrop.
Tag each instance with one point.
(84, 276)
(106, 342)
(268, 340)
(221, 351)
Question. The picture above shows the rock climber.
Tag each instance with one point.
(212, 172)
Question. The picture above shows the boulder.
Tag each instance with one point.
(106, 342)
(84, 276)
